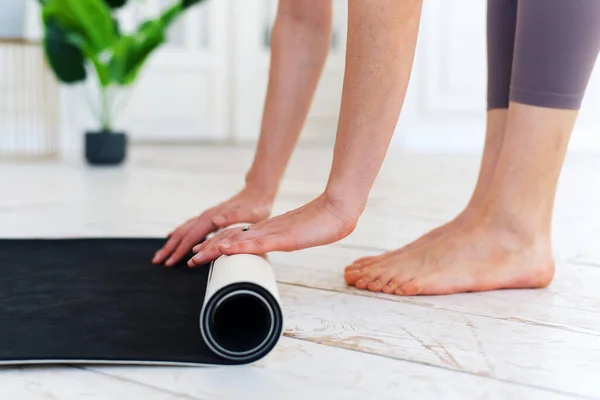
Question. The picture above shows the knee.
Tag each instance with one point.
(314, 14)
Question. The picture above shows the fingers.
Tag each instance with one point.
(259, 245)
(238, 243)
(209, 249)
(184, 247)
(201, 228)
(182, 240)
(174, 239)
(219, 236)
(161, 255)
(209, 254)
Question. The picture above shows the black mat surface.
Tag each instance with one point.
(97, 301)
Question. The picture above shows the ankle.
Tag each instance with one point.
(467, 213)
(517, 231)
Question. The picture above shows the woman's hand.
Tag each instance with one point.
(250, 205)
(317, 223)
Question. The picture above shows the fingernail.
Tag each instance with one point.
(225, 246)
(169, 262)
(218, 220)
(191, 264)
(196, 258)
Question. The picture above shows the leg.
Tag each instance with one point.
(380, 51)
(501, 26)
(299, 48)
(506, 244)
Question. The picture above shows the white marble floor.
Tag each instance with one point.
(339, 342)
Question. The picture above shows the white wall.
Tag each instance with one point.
(252, 21)
(209, 83)
(182, 94)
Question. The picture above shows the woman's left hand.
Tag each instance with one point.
(317, 223)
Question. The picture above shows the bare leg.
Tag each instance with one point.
(496, 125)
(381, 43)
(506, 243)
(501, 29)
(299, 48)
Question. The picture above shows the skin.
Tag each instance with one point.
(495, 243)
(505, 243)
(379, 57)
(299, 48)
(495, 130)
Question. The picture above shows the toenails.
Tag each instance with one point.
(361, 284)
(375, 286)
(411, 288)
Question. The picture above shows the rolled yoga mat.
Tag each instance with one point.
(101, 301)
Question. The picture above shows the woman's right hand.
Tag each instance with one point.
(249, 205)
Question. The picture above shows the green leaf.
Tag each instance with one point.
(115, 3)
(120, 60)
(168, 16)
(131, 52)
(66, 60)
(90, 18)
(117, 27)
(101, 69)
(188, 3)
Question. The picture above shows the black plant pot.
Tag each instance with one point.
(105, 147)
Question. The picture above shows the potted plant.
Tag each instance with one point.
(83, 41)
(12, 19)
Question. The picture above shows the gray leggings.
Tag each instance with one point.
(541, 52)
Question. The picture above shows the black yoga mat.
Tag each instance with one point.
(99, 301)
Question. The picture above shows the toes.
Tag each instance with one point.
(384, 279)
(363, 261)
(391, 286)
(357, 266)
(411, 288)
(369, 277)
(368, 261)
(395, 280)
(352, 275)
(362, 283)
(376, 285)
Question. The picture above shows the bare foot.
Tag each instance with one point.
(475, 257)
(421, 241)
